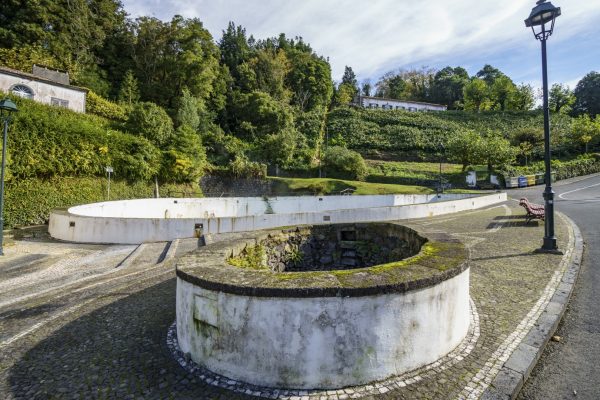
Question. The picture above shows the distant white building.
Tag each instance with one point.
(392, 104)
(44, 85)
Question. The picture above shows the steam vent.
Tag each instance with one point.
(323, 306)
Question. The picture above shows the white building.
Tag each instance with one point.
(392, 104)
(44, 85)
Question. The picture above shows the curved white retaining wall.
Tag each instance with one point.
(327, 342)
(153, 220)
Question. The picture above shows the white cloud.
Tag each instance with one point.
(380, 35)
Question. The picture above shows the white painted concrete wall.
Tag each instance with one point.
(321, 342)
(151, 220)
(43, 92)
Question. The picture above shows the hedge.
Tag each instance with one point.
(583, 165)
(29, 201)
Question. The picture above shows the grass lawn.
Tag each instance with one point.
(326, 186)
(414, 173)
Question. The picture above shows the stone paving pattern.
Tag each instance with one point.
(105, 337)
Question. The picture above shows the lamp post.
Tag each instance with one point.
(6, 108)
(541, 20)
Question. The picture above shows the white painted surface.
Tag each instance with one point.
(151, 220)
(333, 342)
(45, 91)
(393, 104)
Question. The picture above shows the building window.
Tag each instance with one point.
(22, 91)
(59, 102)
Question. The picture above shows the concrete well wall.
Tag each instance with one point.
(328, 342)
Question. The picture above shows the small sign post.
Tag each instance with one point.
(109, 170)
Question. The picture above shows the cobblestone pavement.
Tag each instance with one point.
(86, 322)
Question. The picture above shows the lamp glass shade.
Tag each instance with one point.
(8, 105)
(541, 14)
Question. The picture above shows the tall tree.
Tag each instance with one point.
(448, 85)
(477, 95)
(129, 92)
(309, 80)
(502, 91)
(587, 95)
(171, 55)
(234, 48)
(489, 74)
(349, 78)
(561, 97)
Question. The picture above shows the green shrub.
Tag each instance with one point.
(583, 165)
(97, 105)
(46, 141)
(343, 163)
(29, 201)
(150, 121)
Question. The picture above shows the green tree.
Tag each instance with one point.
(234, 48)
(188, 111)
(496, 151)
(344, 94)
(345, 163)
(266, 71)
(309, 80)
(561, 98)
(502, 91)
(477, 95)
(172, 55)
(489, 74)
(448, 85)
(129, 92)
(584, 130)
(349, 80)
(280, 148)
(258, 115)
(185, 158)
(465, 148)
(150, 121)
(587, 95)
(366, 88)
(522, 99)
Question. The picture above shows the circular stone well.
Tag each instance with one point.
(324, 306)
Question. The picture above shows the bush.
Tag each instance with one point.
(29, 201)
(343, 163)
(150, 121)
(97, 105)
(583, 165)
(46, 141)
(185, 158)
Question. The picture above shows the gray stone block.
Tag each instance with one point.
(537, 337)
(523, 359)
(493, 394)
(508, 382)
(554, 308)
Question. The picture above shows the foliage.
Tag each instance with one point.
(150, 121)
(280, 148)
(309, 80)
(188, 111)
(345, 163)
(50, 141)
(584, 130)
(448, 85)
(185, 158)
(242, 167)
(465, 148)
(560, 98)
(587, 95)
(583, 165)
(259, 115)
(97, 105)
(29, 201)
(477, 96)
(129, 93)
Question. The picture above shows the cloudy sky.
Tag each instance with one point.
(376, 36)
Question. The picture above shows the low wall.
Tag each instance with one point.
(321, 329)
(152, 220)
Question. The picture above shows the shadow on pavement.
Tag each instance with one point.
(116, 351)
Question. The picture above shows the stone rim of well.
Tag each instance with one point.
(441, 257)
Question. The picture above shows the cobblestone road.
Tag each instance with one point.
(76, 322)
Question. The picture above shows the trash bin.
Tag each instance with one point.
(522, 181)
(530, 180)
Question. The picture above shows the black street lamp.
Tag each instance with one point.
(7, 107)
(541, 20)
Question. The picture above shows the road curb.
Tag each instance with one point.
(516, 370)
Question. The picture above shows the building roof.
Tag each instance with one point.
(403, 101)
(21, 74)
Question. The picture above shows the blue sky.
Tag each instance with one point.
(377, 36)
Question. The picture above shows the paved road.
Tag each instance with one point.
(570, 369)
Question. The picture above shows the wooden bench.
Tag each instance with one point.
(534, 211)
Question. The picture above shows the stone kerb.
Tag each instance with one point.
(323, 328)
